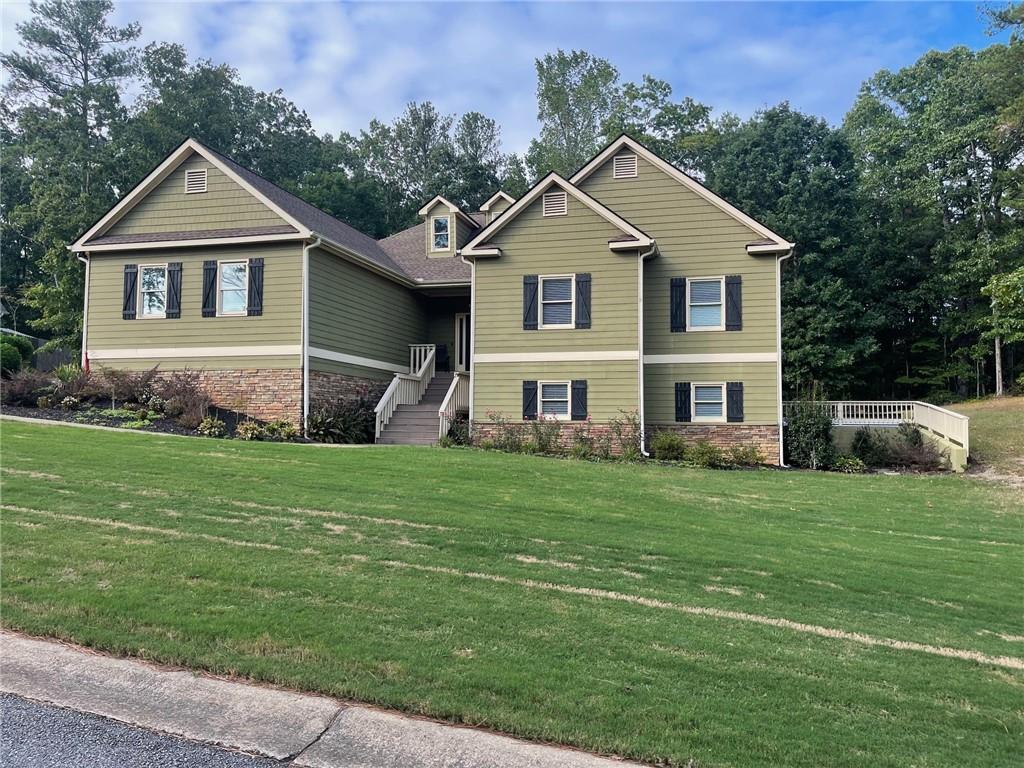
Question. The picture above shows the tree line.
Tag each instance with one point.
(908, 279)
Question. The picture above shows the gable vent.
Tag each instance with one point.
(555, 204)
(624, 167)
(195, 181)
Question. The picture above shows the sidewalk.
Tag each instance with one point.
(304, 731)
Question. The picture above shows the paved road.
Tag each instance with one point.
(36, 735)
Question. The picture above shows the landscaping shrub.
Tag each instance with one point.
(505, 436)
(458, 432)
(211, 427)
(73, 381)
(668, 446)
(349, 421)
(849, 465)
(70, 402)
(626, 431)
(184, 398)
(1020, 384)
(910, 450)
(281, 429)
(871, 447)
(808, 435)
(128, 386)
(745, 456)
(44, 402)
(22, 344)
(704, 454)
(10, 359)
(544, 434)
(250, 430)
(26, 387)
(581, 443)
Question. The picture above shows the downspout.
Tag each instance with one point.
(83, 361)
(778, 347)
(472, 338)
(640, 338)
(305, 330)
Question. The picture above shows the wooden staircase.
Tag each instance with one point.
(418, 424)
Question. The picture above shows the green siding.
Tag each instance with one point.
(280, 323)
(463, 231)
(225, 205)
(611, 386)
(441, 321)
(695, 239)
(535, 244)
(760, 393)
(356, 312)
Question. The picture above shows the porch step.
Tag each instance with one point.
(418, 424)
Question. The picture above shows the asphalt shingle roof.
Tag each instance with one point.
(408, 248)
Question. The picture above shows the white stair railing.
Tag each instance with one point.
(456, 400)
(406, 388)
(951, 426)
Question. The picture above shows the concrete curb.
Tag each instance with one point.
(303, 730)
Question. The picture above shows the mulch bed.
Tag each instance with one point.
(93, 416)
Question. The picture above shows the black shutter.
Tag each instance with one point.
(683, 401)
(209, 289)
(583, 301)
(255, 287)
(173, 311)
(131, 283)
(579, 400)
(677, 303)
(529, 400)
(529, 302)
(733, 303)
(734, 401)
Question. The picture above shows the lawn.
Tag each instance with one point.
(997, 433)
(732, 618)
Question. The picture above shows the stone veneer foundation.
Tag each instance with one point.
(326, 388)
(764, 437)
(266, 394)
(487, 430)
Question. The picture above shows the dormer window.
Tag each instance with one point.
(556, 204)
(624, 167)
(195, 181)
(440, 236)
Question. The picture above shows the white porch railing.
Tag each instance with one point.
(406, 388)
(881, 413)
(456, 400)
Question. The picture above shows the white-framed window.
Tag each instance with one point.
(557, 301)
(708, 401)
(554, 400)
(556, 203)
(232, 287)
(624, 167)
(152, 290)
(705, 304)
(440, 237)
(195, 181)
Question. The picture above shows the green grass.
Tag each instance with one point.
(550, 599)
(997, 432)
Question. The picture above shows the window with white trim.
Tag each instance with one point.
(232, 287)
(557, 301)
(153, 290)
(439, 233)
(708, 402)
(556, 203)
(554, 399)
(624, 167)
(195, 181)
(705, 304)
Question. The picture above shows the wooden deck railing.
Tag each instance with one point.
(406, 388)
(455, 401)
(882, 413)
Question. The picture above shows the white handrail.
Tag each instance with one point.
(947, 424)
(456, 400)
(406, 388)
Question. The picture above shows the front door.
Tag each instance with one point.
(462, 342)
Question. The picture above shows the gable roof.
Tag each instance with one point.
(495, 198)
(452, 208)
(480, 244)
(775, 242)
(406, 249)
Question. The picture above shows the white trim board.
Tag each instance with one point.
(363, 362)
(557, 357)
(143, 353)
(194, 243)
(722, 357)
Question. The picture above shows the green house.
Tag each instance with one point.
(629, 287)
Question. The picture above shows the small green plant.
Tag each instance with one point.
(66, 372)
(136, 423)
(156, 404)
(69, 403)
(705, 454)
(1020, 384)
(10, 359)
(22, 344)
(849, 465)
(281, 429)
(581, 442)
(250, 430)
(745, 456)
(668, 446)
(626, 431)
(44, 402)
(211, 427)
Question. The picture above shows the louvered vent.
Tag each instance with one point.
(624, 167)
(555, 204)
(195, 181)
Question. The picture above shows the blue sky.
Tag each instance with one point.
(347, 63)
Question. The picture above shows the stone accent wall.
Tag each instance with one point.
(266, 394)
(763, 437)
(326, 388)
(484, 431)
